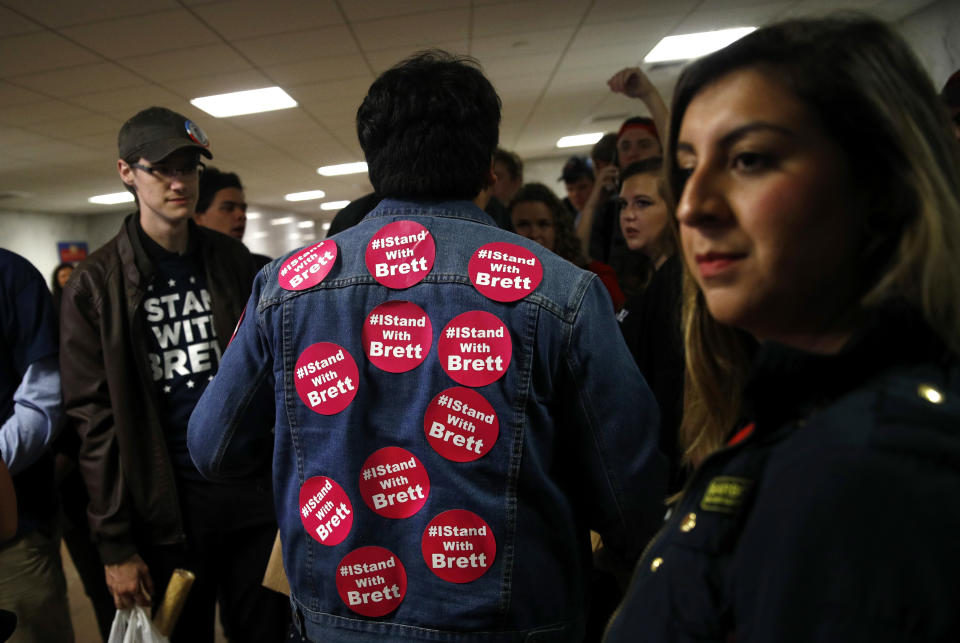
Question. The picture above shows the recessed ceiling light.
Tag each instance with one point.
(281, 221)
(111, 199)
(325, 225)
(259, 235)
(580, 139)
(293, 236)
(305, 196)
(306, 224)
(334, 205)
(253, 215)
(251, 101)
(694, 45)
(343, 168)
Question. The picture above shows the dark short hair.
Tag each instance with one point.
(605, 149)
(212, 181)
(652, 165)
(576, 168)
(510, 161)
(428, 128)
(565, 241)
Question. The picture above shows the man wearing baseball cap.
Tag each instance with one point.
(577, 176)
(144, 322)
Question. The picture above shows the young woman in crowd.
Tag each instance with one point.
(818, 207)
(538, 214)
(58, 280)
(650, 320)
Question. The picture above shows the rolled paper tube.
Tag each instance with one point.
(176, 595)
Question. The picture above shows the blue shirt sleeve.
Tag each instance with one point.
(37, 416)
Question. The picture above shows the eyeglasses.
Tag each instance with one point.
(168, 173)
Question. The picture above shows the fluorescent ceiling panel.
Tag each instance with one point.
(305, 196)
(344, 168)
(694, 45)
(252, 101)
(111, 199)
(578, 140)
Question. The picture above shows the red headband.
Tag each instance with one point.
(644, 125)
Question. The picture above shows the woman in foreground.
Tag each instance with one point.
(818, 208)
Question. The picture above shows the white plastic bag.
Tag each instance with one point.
(132, 625)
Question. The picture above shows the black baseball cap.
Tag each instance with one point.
(157, 132)
(576, 168)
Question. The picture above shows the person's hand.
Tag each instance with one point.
(631, 82)
(129, 582)
(607, 179)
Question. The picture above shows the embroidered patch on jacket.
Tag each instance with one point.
(725, 494)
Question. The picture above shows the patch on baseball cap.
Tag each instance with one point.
(157, 132)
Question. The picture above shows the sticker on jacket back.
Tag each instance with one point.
(458, 546)
(461, 425)
(397, 336)
(504, 271)
(309, 266)
(371, 581)
(325, 510)
(326, 378)
(394, 483)
(401, 254)
(475, 348)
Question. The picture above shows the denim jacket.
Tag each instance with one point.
(576, 449)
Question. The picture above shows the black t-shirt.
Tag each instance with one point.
(651, 325)
(182, 348)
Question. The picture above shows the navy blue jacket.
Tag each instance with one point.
(837, 518)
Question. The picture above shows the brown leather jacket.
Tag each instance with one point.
(108, 391)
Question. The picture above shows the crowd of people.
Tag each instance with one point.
(713, 394)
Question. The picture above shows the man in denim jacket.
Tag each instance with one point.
(455, 408)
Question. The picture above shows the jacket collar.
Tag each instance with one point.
(138, 260)
(786, 383)
(450, 209)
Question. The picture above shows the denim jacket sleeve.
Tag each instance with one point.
(616, 418)
(227, 425)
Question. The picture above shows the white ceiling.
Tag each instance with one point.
(72, 72)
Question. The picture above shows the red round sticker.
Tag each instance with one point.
(325, 510)
(394, 483)
(505, 271)
(397, 336)
(475, 348)
(458, 546)
(401, 254)
(371, 581)
(326, 378)
(461, 425)
(308, 267)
